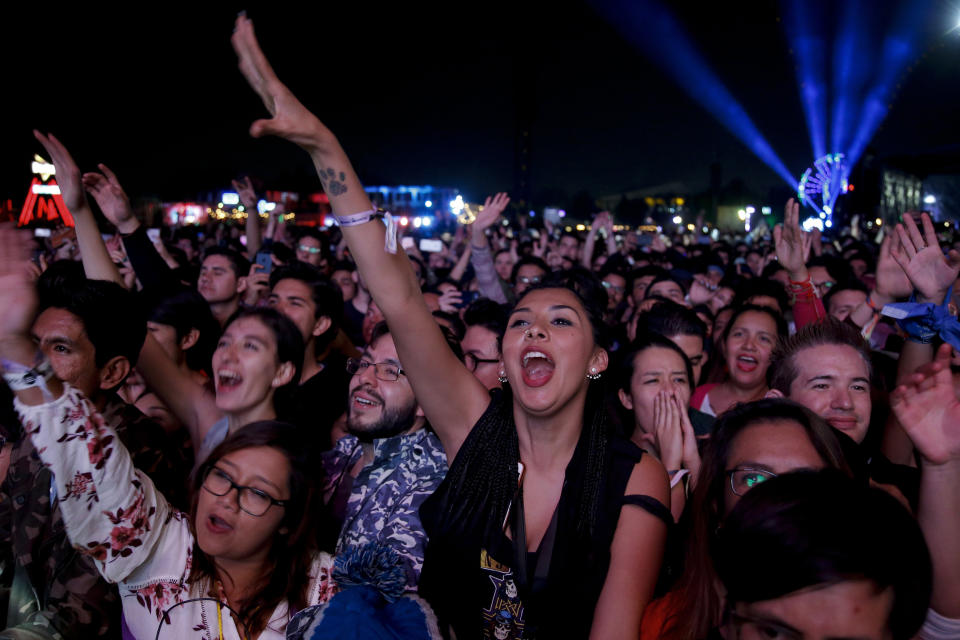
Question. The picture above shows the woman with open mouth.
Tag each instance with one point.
(237, 564)
(748, 341)
(542, 510)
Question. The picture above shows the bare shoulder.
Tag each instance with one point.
(649, 478)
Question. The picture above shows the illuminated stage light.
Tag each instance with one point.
(417, 222)
(428, 204)
(677, 220)
(751, 210)
(230, 198)
(691, 227)
(766, 210)
(426, 221)
(742, 214)
(878, 222)
(929, 199)
(812, 223)
(404, 221)
(651, 28)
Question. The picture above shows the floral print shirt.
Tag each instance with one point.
(385, 498)
(114, 514)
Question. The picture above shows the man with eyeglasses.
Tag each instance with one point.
(310, 249)
(528, 272)
(379, 474)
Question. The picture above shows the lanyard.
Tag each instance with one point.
(545, 552)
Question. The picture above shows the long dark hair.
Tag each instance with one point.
(697, 584)
(484, 474)
(291, 554)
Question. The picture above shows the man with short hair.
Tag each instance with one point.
(311, 249)
(315, 305)
(826, 367)
(569, 249)
(223, 279)
(91, 332)
(379, 474)
(843, 298)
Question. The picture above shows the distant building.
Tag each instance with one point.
(413, 200)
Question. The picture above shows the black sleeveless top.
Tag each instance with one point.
(477, 591)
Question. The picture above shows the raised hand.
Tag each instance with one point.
(792, 243)
(667, 437)
(68, 174)
(892, 282)
(491, 211)
(18, 295)
(929, 411)
(922, 260)
(248, 197)
(111, 198)
(290, 119)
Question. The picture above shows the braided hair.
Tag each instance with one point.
(483, 479)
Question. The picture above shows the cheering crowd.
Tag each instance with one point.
(525, 434)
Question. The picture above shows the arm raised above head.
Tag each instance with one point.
(450, 396)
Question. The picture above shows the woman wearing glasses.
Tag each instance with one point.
(245, 550)
(542, 510)
(751, 443)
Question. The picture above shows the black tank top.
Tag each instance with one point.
(476, 590)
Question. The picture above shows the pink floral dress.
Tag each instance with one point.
(113, 513)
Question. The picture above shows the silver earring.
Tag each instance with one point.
(593, 375)
(502, 377)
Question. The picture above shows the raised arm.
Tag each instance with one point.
(96, 260)
(929, 410)
(151, 268)
(248, 197)
(481, 256)
(111, 511)
(793, 248)
(451, 397)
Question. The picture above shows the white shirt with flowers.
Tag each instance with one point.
(114, 514)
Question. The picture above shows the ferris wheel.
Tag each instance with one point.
(820, 186)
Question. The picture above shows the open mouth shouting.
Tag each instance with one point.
(228, 380)
(747, 363)
(537, 367)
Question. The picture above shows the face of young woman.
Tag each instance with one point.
(226, 531)
(776, 446)
(748, 347)
(548, 350)
(245, 366)
(655, 369)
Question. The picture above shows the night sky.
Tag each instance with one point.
(423, 95)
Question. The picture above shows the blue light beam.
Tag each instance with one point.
(852, 58)
(810, 51)
(652, 29)
(899, 48)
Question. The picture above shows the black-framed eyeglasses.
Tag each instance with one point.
(473, 361)
(742, 479)
(253, 501)
(386, 371)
